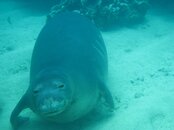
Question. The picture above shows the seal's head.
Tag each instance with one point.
(51, 96)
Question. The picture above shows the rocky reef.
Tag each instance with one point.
(105, 13)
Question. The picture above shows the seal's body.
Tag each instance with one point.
(68, 71)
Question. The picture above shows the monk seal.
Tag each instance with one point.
(68, 71)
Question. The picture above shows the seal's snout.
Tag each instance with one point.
(51, 106)
(51, 97)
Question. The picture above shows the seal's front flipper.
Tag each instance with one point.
(105, 97)
(15, 119)
(18, 122)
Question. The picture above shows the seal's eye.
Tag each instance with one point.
(61, 86)
(35, 91)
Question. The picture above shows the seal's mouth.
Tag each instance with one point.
(52, 107)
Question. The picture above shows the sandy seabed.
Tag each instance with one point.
(141, 71)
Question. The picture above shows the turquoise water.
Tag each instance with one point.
(141, 68)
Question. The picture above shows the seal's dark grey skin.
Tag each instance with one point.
(68, 71)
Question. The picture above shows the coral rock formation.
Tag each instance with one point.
(105, 13)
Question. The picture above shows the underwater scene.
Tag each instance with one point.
(86, 64)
